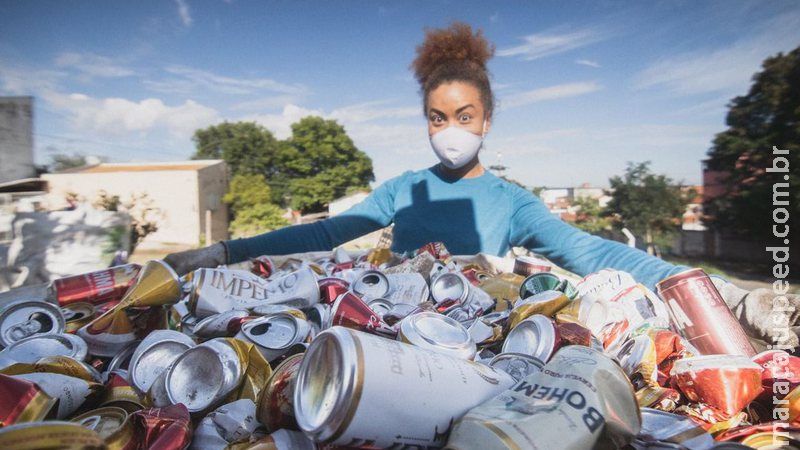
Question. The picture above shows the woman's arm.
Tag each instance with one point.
(534, 227)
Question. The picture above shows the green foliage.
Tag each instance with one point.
(245, 146)
(590, 215)
(768, 115)
(324, 163)
(250, 201)
(649, 205)
(63, 161)
(317, 164)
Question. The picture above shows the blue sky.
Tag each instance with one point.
(583, 87)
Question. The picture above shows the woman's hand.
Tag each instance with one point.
(763, 313)
(189, 260)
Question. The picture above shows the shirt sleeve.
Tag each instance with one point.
(534, 227)
(373, 213)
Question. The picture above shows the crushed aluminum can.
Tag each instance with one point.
(268, 310)
(702, 316)
(33, 348)
(318, 317)
(29, 318)
(580, 390)
(371, 284)
(276, 405)
(167, 428)
(779, 367)
(157, 396)
(770, 440)
(224, 324)
(122, 360)
(232, 364)
(118, 392)
(274, 335)
(23, 401)
(76, 315)
(343, 380)
(503, 288)
(637, 357)
(657, 397)
(113, 426)
(529, 265)
(793, 400)
(437, 333)
(331, 288)
(63, 365)
(410, 288)
(103, 286)
(480, 331)
(546, 303)
(535, 336)
(576, 334)
(218, 290)
(351, 312)
(381, 306)
(663, 430)
(517, 365)
(154, 355)
(539, 282)
(449, 286)
(195, 379)
(398, 312)
(284, 440)
(48, 435)
(70, 391)
(726, 382)
(232, 422)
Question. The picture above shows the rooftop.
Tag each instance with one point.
(146, 167)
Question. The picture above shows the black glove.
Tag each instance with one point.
(189, 260)
(758, 315)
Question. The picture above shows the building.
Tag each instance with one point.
(16, 138)
(185, 196)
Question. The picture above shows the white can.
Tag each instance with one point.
(356, 389)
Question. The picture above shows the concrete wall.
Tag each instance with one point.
(16, 138)
(213, 184)
(179, 196)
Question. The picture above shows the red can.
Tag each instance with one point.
(350, 311)
(331, 288)
(700, 313)
(96, 287)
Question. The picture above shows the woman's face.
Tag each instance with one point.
(456, 104)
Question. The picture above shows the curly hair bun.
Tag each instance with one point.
(456, 42)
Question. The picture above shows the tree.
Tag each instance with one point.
(63, 161)
(590, 215)
(321, 163)
(250, 201)
(767, 116)
(647, 204)
(246, 147)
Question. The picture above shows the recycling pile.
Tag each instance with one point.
(379, 350)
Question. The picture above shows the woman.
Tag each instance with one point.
(458, 201)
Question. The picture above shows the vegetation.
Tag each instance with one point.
(768, 115)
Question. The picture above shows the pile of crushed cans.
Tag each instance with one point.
(380, 350)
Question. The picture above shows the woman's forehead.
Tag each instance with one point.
(454, 95)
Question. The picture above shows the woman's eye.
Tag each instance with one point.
(465, 118)
(436, 119)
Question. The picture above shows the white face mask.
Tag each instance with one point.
(456, 146)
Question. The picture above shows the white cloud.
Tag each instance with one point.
(589, 63)
(280, 124)
(375, 110)
(188, 80)
(554, 42)
(724, 69)
(548, 93)
(117, 116)
(184, 13)
(91, 65)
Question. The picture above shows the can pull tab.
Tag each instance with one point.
(92, 422)
(36, 323)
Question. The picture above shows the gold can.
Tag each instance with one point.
(76, 315)
(51, 435)
(112, 424)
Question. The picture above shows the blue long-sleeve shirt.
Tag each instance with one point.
(482, 214)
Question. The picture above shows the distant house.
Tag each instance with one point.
(183, 195)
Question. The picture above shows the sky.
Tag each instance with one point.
(583, 87)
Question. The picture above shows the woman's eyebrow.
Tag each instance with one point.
(464, 107)
(434, 110)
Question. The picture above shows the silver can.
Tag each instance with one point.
(517, 365)
(218, 325)
(536, 336)
(28, 318)
(343, 382)
(437, 333)
(371, 284)
(33, 348)
(318, 317)
(202, 376)
(274, 335)
(449, 286)
(154, 355)
(381, 306)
